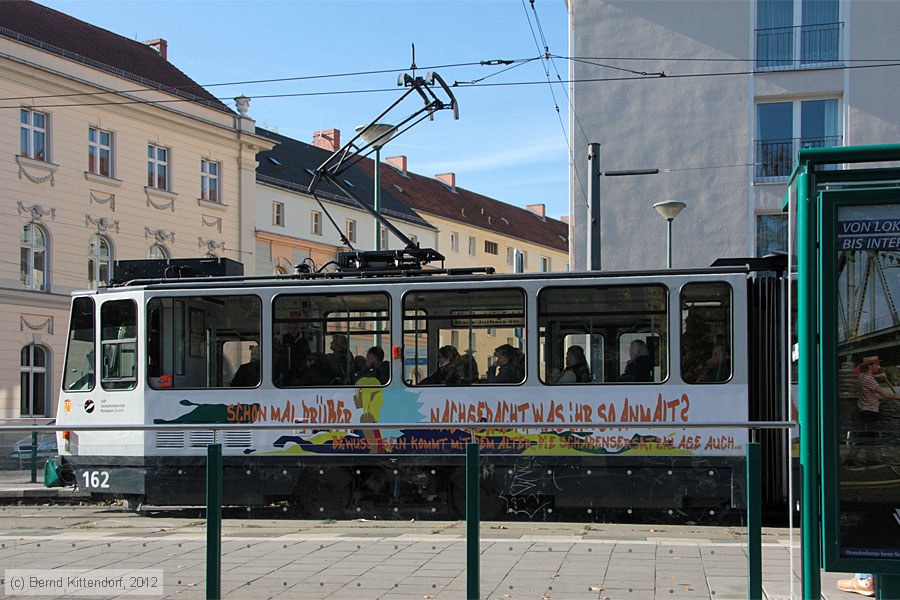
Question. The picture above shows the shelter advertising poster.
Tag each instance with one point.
(868, 389)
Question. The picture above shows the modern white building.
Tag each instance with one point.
(719, 97)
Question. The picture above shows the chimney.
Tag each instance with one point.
(448, 179)
(538, 209)
(398, 162)
(328, 139)
(160, 45)
(564, 218)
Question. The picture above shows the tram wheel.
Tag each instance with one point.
(325, 492)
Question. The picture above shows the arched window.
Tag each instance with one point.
(99, 261)
(34, 385)
(158, 251)
(279, 270)
(33, 253)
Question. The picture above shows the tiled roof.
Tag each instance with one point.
(290, 165)
(433, 197)
(58, 33)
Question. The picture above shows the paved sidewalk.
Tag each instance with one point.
(402, 560)
(399, 560)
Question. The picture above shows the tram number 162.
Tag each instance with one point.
(95, 480)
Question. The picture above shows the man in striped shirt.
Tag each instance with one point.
(869, 403)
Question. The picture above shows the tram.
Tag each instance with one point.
(673, 347)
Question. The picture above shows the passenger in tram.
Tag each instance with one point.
(639, 366)
(466, 369)
(718, 366)
(506, 367)
(340, 361)
(317, 372)
(577, 370)
(375, 366)
(291, 352)
(248, 373)
(446, 372)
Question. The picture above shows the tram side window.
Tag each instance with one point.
(452, 337)
(603, 334)
(706, 336)
(325, 340)
(204, 342)
(79, 373)
(118, 343)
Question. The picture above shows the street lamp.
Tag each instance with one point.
(669, 210)
(377, 134)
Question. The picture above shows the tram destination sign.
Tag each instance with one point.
(462, 319)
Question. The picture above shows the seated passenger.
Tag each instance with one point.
(340, 361)
(375, 366)
(639, 367)
(317, 372)
(248, 373)
(446, 372)
(466, 368)
(577, 370)
(718, 365)
(506, 368)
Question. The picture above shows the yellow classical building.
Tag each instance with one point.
(107, 152)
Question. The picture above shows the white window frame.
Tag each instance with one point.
(29, 133)
(158, 252)
(95, 148)
(454, 241)
(545, 264)
(384, 238)
(97, 260)
(350, 230)
(315, 222)
(210, 180)
(277, 213)
(473, 248)
(489, 246)
(29, 250)
(155, 164)
(33, 372)
(510, 255)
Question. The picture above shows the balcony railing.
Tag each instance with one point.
(775, 159)
(801, 47)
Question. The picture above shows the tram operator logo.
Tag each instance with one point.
(88, 406)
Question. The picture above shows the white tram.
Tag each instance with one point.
(674, 347)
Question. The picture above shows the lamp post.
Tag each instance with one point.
(377, 134)
(669, 210)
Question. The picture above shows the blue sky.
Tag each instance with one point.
(508, 142)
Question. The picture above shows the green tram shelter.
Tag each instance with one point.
(844, 205)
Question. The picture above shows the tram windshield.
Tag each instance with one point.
(79, 373)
